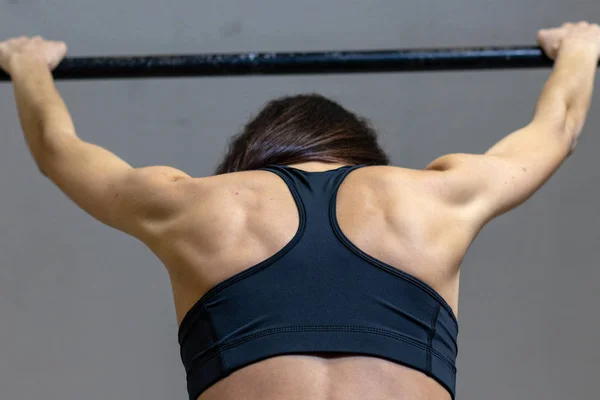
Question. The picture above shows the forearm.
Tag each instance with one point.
(44, 117)
(566, 97)
(561, 109)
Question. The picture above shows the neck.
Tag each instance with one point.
(314, 166)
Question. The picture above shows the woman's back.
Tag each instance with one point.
(393, 225)
(235, 221)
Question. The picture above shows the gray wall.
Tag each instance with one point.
(86, 312)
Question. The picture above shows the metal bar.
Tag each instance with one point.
(300, 63)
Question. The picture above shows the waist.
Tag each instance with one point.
(326, 376)
(221, 360)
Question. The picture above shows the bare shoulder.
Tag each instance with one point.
(260, 180)
(229, 189)
(400, 186)
(208, 188)
(416, 203)
(399, 179)
(214, 198)
(218, 221)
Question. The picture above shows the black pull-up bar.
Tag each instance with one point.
(300, 63)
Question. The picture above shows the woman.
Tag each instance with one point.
(308, 267)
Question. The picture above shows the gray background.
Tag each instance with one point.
(86, 311)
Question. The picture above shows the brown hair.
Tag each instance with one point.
(297, 129)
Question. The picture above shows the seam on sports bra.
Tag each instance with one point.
(215, 337)
(430, 348)
(378, 263)
(214, 351)
(333, 328)
(256, 268)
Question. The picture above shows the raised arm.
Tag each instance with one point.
(102, 184)
(511, 171)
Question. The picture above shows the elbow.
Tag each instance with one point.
(571, 130)
(41, 165)
(573, 126)
(572, 147)
(42, 170)
(564, 133)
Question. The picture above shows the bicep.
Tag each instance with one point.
(108, 188)
(493, 183)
